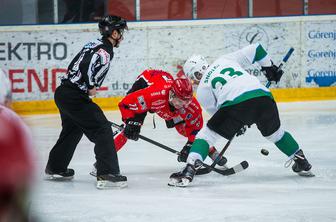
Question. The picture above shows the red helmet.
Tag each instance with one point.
(16, 157)
(182, 88)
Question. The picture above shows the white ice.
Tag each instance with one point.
(266, 191)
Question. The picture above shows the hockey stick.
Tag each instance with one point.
(119, 127)
(116, 132)
(229, 171)
(208, 168)
(226, 172)
(284, 60)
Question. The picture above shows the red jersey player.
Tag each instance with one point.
(157, 92)
(16, 159)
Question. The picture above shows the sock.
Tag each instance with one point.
(201, 147)
(287, 144)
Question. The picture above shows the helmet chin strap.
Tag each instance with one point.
(117, 40)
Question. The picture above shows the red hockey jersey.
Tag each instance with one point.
(154, 97)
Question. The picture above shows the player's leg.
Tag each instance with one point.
(98, 130)
(62, 152)
(213, 153)
(268, 123)
(220, 125)
(119, 141)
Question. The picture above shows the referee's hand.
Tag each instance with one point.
(93, 92)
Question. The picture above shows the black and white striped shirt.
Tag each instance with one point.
(90, 66)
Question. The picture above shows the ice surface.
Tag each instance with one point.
(266, 191)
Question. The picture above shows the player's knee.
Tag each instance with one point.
(100, 134)
(208, 135)
(276, 136)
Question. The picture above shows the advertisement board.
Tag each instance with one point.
(320, 52)
(36, 57)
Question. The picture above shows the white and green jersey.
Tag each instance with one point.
(226, 82)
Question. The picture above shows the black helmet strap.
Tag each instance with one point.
(118, 40)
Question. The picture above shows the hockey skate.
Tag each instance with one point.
(302, 166)
(184, 177)
(108, 181)
(61, 176)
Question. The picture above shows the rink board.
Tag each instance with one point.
(36, 57)
(280, 95)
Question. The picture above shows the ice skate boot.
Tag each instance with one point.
(65, 175)
(301, 165)
(184, 177)
(108, 181)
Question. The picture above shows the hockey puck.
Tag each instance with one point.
(264, 152)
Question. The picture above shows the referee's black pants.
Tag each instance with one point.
(80, 115)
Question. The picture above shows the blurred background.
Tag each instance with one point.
(82, 11)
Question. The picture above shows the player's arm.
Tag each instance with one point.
(193, 122)
(255, 53)
(174, 122)
(207, 99)
(249, 55)
(133, 108)
(141, 82)
(94, 68)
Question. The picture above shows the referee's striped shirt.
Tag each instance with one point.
(90, 66)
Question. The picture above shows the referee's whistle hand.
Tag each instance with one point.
(93, 92)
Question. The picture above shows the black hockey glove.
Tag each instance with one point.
(132, 129)
(170, 123)
(272, 73)
(184, 152)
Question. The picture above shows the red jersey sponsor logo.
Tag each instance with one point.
(142, 102)
(155, 93)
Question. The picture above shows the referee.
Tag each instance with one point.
(80, 115)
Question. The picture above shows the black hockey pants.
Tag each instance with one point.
(262, 111)
(80, 115)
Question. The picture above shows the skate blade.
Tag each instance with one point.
(306, 174)
(184, 182)
(103, 185)
(173, 182)
(93, 173)
(57, 177)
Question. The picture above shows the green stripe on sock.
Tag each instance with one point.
(287, 144)
(201, 147)
(260, 54)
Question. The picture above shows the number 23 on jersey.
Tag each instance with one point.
(226, 75)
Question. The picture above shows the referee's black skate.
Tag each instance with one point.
(186, 176)
(108, 181)
(301, 165)
(65, 175)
